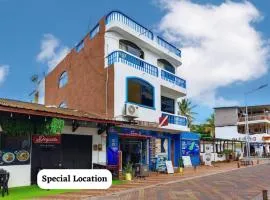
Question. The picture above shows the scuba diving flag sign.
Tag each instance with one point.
(163, 121)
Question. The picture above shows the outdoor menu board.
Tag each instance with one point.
(187, 161)
(14, 157)
(169, 166)
(161, 159)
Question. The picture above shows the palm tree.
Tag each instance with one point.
(185, 109)
(210, 125)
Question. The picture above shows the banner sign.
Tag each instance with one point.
(14, 157)
(190, 148)
(46, 139)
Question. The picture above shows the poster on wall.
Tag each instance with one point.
(190, 148)
(14, 157)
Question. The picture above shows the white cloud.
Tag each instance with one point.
(4, 69)
(51, 51)
(219, 44)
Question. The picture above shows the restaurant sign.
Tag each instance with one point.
(46, 139)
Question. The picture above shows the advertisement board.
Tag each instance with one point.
(14, 157)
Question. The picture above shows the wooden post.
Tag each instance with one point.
(264, 194)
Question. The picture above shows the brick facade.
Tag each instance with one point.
(86, 87)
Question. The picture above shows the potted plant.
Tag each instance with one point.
(181, 166)
(128, 171)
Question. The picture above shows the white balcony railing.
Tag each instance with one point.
(255, 117)
(135, 62)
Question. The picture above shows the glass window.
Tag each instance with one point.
(79, 46)
(167, 105)
(131, 48)
(63, 105)
(63, 80)
(140, 92)
(166, 65)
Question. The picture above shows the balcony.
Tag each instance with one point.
(255, 118)
(176, 119)
(140, 64)
(119, 17)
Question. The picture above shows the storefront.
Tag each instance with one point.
(34, 137)
(130, 145)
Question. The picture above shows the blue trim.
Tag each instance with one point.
(154, 102)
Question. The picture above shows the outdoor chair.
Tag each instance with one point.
(4, 178)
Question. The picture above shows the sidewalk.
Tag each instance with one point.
(152, 181)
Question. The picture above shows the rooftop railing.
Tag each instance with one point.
(176, 119)
(122, 18)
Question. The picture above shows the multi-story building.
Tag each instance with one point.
(121, 70)
(231, 123)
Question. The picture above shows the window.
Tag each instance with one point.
(79, 46)
(131, 48)
(63, 105)
(166, 65)
(140, 92)
(63, 79)
(167, 105)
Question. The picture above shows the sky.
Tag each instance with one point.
(225, 44)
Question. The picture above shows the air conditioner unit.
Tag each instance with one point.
(132, 110)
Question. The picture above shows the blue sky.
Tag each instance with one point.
(24, 23)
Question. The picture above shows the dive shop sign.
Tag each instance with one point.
(46, 139)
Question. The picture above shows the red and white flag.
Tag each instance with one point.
(163, 121)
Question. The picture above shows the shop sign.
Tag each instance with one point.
(14, 157)
(161, 159)
(190, 147)
(46, 139)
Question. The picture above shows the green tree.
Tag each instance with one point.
(210, 125)
(186, 109)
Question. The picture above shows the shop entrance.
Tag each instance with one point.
(60, 152)
(133, 150)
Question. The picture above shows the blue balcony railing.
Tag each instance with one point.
(118, 16)
(165, 75)
(122, 18)
(174, 119)
(168, 46)
(123, 57)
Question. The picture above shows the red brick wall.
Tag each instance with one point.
(86, 87)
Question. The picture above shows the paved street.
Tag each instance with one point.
(244, 183)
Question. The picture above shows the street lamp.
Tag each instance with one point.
(246, 117)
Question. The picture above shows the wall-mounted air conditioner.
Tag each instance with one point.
(132, 110)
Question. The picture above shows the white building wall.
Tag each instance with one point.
(97, 156)
(121, 73)
(20, 175)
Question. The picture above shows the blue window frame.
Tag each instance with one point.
(166, 65)
(167, 105)
(140, 92)
(63, 80)
(131, 48)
